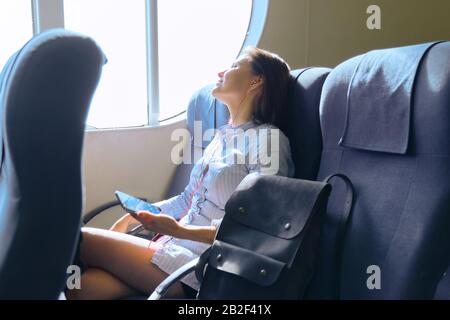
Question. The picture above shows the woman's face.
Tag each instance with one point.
(234, 83)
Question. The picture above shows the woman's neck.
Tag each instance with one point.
(241, 114)
(237, 122)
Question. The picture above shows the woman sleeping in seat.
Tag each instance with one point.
(254, 89)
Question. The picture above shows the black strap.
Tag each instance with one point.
(340, 236)
(297, 73)
(201, 264)
(174, 277)
(348, 201)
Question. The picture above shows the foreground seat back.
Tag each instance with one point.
(302, 128)
(386, 124)
(45, 93)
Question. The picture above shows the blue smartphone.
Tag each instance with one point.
(132, 204)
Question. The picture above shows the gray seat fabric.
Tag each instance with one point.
(443, 288)
(302, 125)
(45, 94)
(401, 215)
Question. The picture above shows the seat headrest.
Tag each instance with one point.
(207, 111)
(428, 126)
(379, 99)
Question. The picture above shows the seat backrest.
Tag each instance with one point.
(302, 127)
(45, 93)
(385, 120)
(303, 121)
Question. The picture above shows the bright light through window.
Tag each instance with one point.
(197, 39)
(119, 28)
(16, 27)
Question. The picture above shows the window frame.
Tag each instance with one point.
(48, 14)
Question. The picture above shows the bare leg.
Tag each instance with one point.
(127, 260)
(100, 284)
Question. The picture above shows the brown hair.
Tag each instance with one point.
(270, 105)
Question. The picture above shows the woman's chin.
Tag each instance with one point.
(215, 91)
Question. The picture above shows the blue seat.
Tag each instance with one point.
(385, 120)
(45, 93)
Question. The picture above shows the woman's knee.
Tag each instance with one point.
(99, 284)
(114, 251)
(94, 244)
(87, 244)
(119, 254)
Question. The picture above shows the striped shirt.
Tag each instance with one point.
(234, 152)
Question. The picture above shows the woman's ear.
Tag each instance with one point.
(256, 83)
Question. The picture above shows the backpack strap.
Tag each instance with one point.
(177, 275)
(340, 236)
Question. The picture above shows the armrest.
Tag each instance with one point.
(96, 211)
(179, 274)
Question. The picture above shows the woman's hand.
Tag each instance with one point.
(160, 223)
(123, 223)
(167, 225)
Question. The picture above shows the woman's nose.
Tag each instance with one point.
(220, 74)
